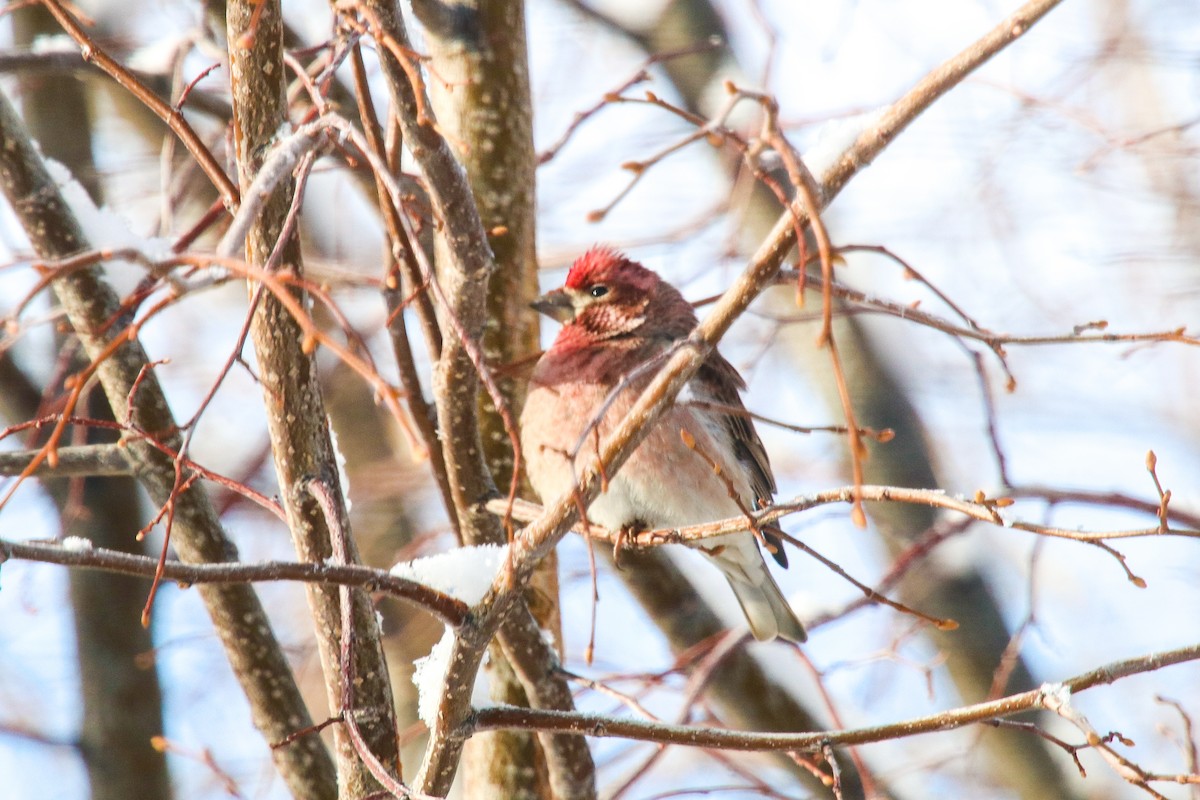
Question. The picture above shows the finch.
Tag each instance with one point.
(618, 318)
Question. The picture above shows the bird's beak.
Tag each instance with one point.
(556, 304)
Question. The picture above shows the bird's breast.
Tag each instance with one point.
(664, 483)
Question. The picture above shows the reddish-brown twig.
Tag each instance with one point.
(163, 110)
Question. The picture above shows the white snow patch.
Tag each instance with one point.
(77, 544)
(465, 572)
(104, 228)
(429, 676)
(835, 138)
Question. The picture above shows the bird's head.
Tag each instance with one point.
(607, 295)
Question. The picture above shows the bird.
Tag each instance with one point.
(701, 461)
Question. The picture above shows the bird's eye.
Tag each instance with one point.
(598, 291)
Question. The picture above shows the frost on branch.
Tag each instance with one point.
(77, 544)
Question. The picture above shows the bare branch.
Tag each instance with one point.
(301, 444)
(73, 462)
(982, 509)
(80, 554)
(120, 363)
(540, 536)
(165, 111)
(1079, 334)
(601, 726)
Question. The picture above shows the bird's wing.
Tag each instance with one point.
(719, 383)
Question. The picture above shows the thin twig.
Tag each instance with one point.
(175, 120)
(641, 75)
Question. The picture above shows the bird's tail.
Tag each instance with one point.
(766, 609)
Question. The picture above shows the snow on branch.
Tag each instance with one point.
(465, 573)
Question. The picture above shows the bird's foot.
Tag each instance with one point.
(623, 534)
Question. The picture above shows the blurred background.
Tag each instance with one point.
(1059, 186)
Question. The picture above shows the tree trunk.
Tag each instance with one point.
(296, 419)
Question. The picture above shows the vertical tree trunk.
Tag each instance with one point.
(296, 420)
(480, 92)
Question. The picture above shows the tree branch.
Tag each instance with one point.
(296, 420)
(163, 110)
(981, 508)
(541, 535)
(79, 553)
(85, 460)
(602, 726)
(132, 387)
